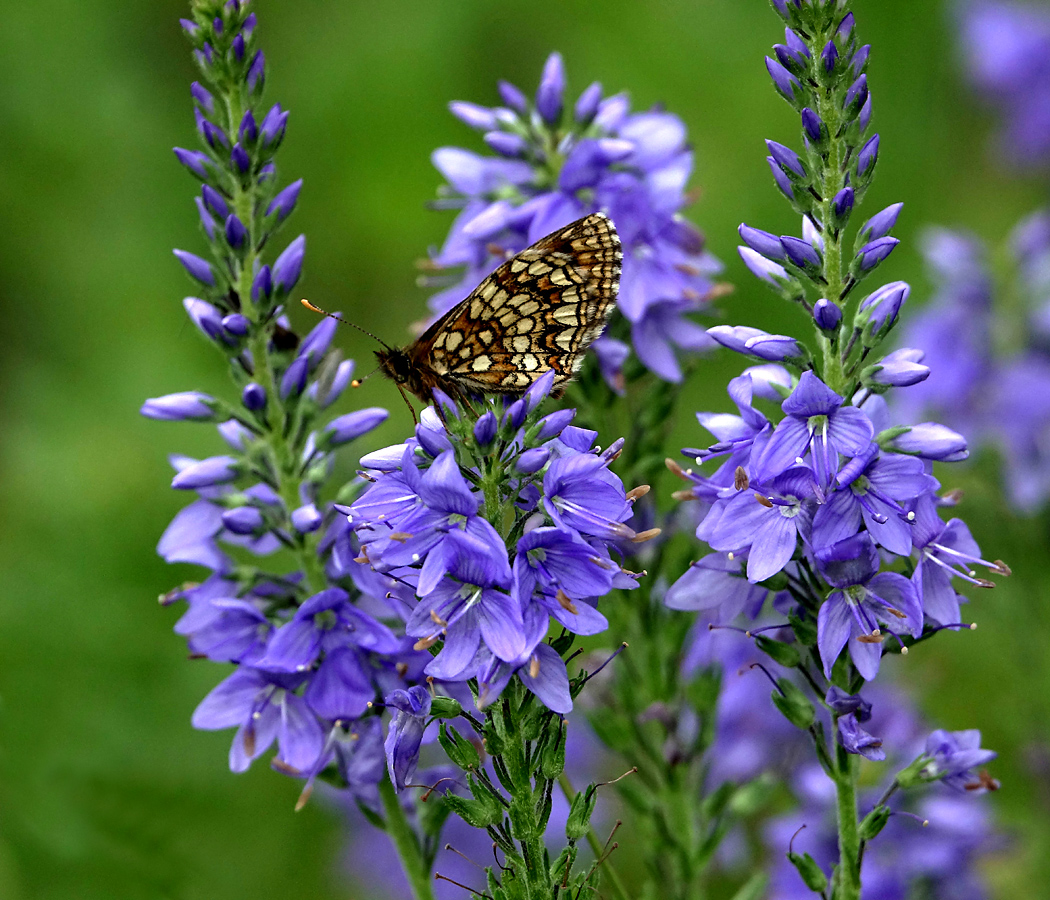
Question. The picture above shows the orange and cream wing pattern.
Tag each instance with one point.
(538, 311)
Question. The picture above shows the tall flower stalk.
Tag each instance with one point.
(314, 634)
(821, 504)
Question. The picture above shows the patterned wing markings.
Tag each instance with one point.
(539, 310)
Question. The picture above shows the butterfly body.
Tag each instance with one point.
(540, 310)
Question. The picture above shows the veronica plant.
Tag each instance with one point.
(817, 498)
(314, 635)
(500, 525)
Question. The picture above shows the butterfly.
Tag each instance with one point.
(539, 311)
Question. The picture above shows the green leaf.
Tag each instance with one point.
(874, 822)
(461, 751)
(579, 821)
(811, 873)
(793, 704)
(785, 654)
(472, 812)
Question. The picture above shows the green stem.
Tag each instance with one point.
(848, 875)
(408, 850)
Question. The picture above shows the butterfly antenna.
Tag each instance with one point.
(322, 312)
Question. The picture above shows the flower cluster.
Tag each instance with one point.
(1005, 47)
(498, 525)
(995, 389)
(306, 626)
(814, 495)
(553, 165)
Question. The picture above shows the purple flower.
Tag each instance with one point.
(764, 521)
(946, 551)
(263, 708)
(953, 755)
(865, 607)
(871, 490)
(406, 733)
(856, 740)
(817, 423)
(325, 622)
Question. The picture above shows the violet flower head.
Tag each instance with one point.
(632, 166)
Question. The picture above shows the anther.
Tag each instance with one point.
(426, 643)
(1001, 568)
(437, 620)
(764, 501)
(740, 480)
(355, 383)
(565, 603)
(401, 669)
(642, 536)
(684, 495)
(400, 536)
(953, 496)
(637, 492)
(675, 469)
(534, 666)
(984, 582)
(873, 638)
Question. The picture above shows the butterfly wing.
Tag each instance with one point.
(538, 311)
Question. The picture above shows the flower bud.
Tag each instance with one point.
(203, 97)
(236, 233)
(785, 83)
(900, 368)
(512, 96)
(868, 156)
(283, 204)
(185, 406)
(930, 440)
(763, 268)
(197, 268)
(206, 473)
(802, 253)
(256, 73)
(485, 430)
(236, 325)
(826, 314)
(877, 312)
(552, 87)
(880, 224)
(352, 425)
(253, 397)
(306, 518)
(479, 117)
(240, 159)
(262, 285)
(215, 201)
(293, 382)
(506, 144)
(246, 520)
(194, 160)
(873, 253)
(762, 242)
(289, 265)
(587, 104)
(532, 460)
(205, 316)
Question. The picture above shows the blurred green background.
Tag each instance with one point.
(106, 791)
